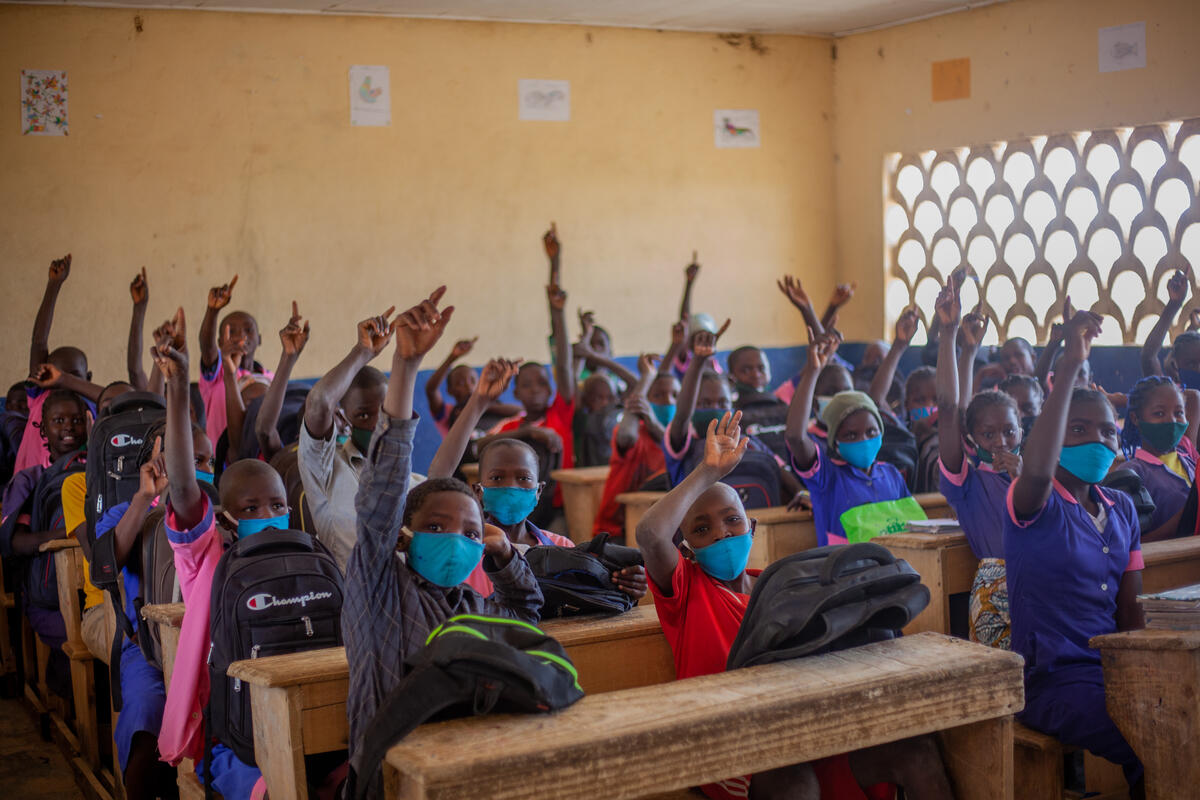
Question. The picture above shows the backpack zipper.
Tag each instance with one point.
(308, 630)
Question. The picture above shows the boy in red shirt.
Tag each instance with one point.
(696, 542)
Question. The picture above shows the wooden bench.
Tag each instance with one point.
(1039, 775)
(644, 741)
(582, 491)
(1151, 679)
(299, 700)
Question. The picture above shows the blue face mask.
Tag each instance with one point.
(249, 527)
(822, 400)
(663, 412)
(446, 559)
(701, 417)
(205, 477)
(923, 412)
(341, 439)
(1190, 378)
(1088, 462)
(726, 558)
(508, 505)
(862, 453)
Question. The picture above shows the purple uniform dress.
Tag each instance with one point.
(978, 496)
(835, 487)
(1168, 488)
(1063, 578)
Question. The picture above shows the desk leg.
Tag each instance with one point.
(979, 758)
(279, 741)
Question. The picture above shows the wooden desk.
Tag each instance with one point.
(1151, 679)
(1171, 564)
(636, 504)
(582, 490)
(748, 720)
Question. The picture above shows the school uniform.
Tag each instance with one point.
(834, 487)
(480, 582)
(978, 495)
(1064, 570)
(388, 609)
(1168, 478)
(626, 473)
(212, 392)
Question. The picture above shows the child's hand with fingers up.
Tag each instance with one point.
(495, 377)
(139, 289)
(1078, 334)
(374, 333)
(692, 271)
(550, 242)
(842, 293)
(419, 328)
(152, 477)
(1177, 288)
(172, 360)
(679, 333)
(704, 344)
(294, 337)
(60, 269)
(906, 326)
(948, 306)
(462, 347)
(233, 350)
(793, 291)
(219, 296)
(724, 444)
(648, 364)
(820, 350)
(974, 326)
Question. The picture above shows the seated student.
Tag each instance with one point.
(844, 475)
(1183, 363)
(460, 383)
(1159, 442)
(977, 491)
(391, 606)
(12, 428)
(764, 415)
(597, 412)
(349, 398)
(1073, 556)
(637, 452)
(239, 395)
(1027, 392)
(1016, 356)
(696, 542)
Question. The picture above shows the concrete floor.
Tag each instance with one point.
(30, 768)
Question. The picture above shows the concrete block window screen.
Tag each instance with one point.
(1104, 216)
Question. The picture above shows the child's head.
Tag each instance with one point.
(508, 480)
(717, 514)
(855, 428)
(1186, 351)
(1090, 444)
(1026, 392)
(993, 424)
(202, 449)
(1016, 356)
(700, 322)
(1155, 417)
(110, 393)
(664, 390)
(240, 325)
(64, 423)
(601, 342)
(17, 401)
(252, 490)
(461, 382)
(834, 378)
(749, 368)
(874, 353)
(920, 392)
(532, 388)
(71, 361)
(361, 403)
(444, 505)
(989, 376)
(597, 394)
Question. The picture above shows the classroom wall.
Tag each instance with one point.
(216, 143)
(1033, 71)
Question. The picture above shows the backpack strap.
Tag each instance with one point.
(846, 556)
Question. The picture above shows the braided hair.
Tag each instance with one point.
(1131, 437)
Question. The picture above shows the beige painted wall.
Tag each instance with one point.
(214, 143)
(1033, 71)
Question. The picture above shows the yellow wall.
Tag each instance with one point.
(1033, 71)
(215, 143)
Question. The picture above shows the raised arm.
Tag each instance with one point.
(906, 329)
(493, 380)
(1032, 488)
(974, 326)
(139, 290)
(724, 447)
(704, 346)
(690, 273)
(417, 331)
(679, 337)
(293, 338)
(841, 295)
(39, 343)
(232, 351)
(48, 376)
(804, 449)
(553, 253)
(948, 308)
(563, 378)
(218, 298)
(433, 386)
(374, 333)
(170, 357)
(799, 298)
(637, 408)
(1177, 288)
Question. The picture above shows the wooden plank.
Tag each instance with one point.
(799, 710)
(636, 504)
(278, 741)
(979, 759)
(582, 491)
(1171, 564)
(1038, 765)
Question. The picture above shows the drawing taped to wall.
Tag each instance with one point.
(547, 101)
(736, 128)
(44, 102)
(370, 96)
(1122, 47)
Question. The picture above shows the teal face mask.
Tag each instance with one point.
(862, 453)
(445, 559)
(249, 527)
(361, 438)
(1088, 462)
(341, 439)
(663, 412)
(1162, 436)
(726, 558)
(921, 412)
(508, 505)
(205, 477)
(702, 416)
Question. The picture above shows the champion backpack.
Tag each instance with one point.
(828, 598)
(46, 514)
(470, 665)
(764, 416)
(272, 593)
(578, 580)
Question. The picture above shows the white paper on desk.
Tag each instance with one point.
(1122, 47)
(370, 96)
(546, 101)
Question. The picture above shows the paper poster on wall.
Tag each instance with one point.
(1123, 47)
(370, 96)
(736, 128)
(548, 101)
(44, 102)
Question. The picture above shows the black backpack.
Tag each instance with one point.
(288, 424)
(157, 580)
(828, 598)
(272, 593)
(899, 449)
(46, 514)
(764, 416)
(1129, 482)
(471, 665)
(756, 477)
(578, 580)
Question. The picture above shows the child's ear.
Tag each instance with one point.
(226, 521)
(753, 525)
(538, 491)
(477, 488)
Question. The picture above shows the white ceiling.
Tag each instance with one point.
(820, 17)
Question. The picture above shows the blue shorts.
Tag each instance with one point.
(143, 696)
(1070, 707)
(233, 778)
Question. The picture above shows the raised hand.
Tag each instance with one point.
(906, 326)
(219, 296)
(374, 333)
(47, 376)
(556, 296)
(648, 364)
(1177, 287)
(550, 242)
(152, 477)
(723, 444)
(495, 377)
(821, 347)
(462, 347)
(974, 326)
(1194, 320)
(692, 270)
(1078, 334)
(704, 344)
(172, 331)
(293, 337)
(233, 350)
(60, 269)
(793, 291)
(169, 351)
(139, 289)
(638, 405)
(496, 544)
(842, 294)
(583, 348)
(948, 306)
(679, 333)
(419, 328)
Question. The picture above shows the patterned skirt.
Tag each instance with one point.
(990, 619)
